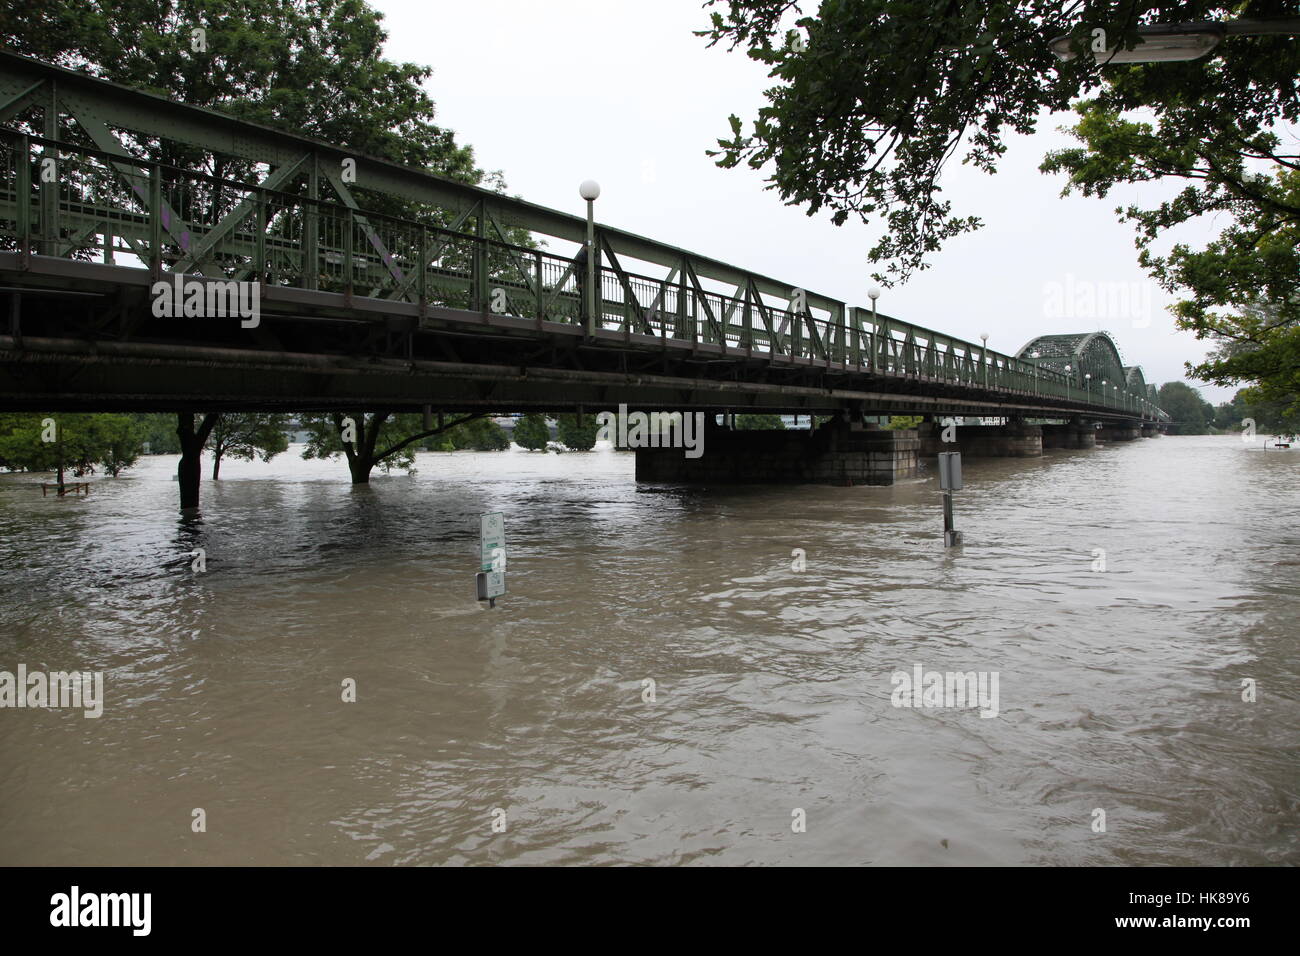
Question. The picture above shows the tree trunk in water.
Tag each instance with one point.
(189, 472)
(360, 468)
(216, 467)
(188, 476)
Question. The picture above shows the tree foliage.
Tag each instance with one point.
(384, 438)
(79, 443)
(1191, 414)
(902, 422)
(532, 432)
(314, 67)
(158, 432)
(747, 421)
(247, 435)
(1268, 416)
(874, 97)
(577, 437)
(481, 434)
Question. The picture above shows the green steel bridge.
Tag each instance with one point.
(385, 287)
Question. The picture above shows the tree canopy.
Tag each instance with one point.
(532, 432)
(247, 435)
(875, 97)
(314, 67)
(577, 437)
(384, 438)
(1191, 414)
(80, 443)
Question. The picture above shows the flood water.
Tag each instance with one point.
(1120, 690)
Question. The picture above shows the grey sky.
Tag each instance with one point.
(623, 92)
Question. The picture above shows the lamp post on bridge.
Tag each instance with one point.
(984, 356)
(1087, 382)
(590, 191)
(1067, 383)
(874, 354)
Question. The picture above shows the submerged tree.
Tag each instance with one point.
(532, 432)
(384, 438)
(247, 435)
(480, 434)
(574, 436)
(62, 442)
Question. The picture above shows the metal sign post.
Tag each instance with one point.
(949, 481)
(490, 581)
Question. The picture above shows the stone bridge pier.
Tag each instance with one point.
(1150, 430)
(836, 453)
(1072, 434)
(1012, 440)
(1123, 431)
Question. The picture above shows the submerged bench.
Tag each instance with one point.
(67, 488)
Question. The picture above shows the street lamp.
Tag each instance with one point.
(1087, 383)
(590, 191)
(1173, 42)
(1067, 383)
(984, 356)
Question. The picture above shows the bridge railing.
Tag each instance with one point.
(62, 199)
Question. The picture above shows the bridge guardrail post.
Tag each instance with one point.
(155, 220)
(748, 321)
(537, 280)
(855, 335)
(23, 186)
(422, 280)
(349, 229)
(311, 229)
(259, 248)
(841, 332)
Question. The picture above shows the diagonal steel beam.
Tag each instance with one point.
(245, 208)
(106, 142)
(345, 194)
(627, 287)
(15, 104)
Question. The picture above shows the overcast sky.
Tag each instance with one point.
(620, 91)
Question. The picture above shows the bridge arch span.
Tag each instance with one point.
(1085, 353)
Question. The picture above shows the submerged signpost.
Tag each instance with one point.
(949, 481)
(490, 581)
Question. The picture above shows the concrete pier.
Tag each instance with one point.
(1012, 440)
(1127, 431)
(1150, 430)
(835, 454)
(1069, 435)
